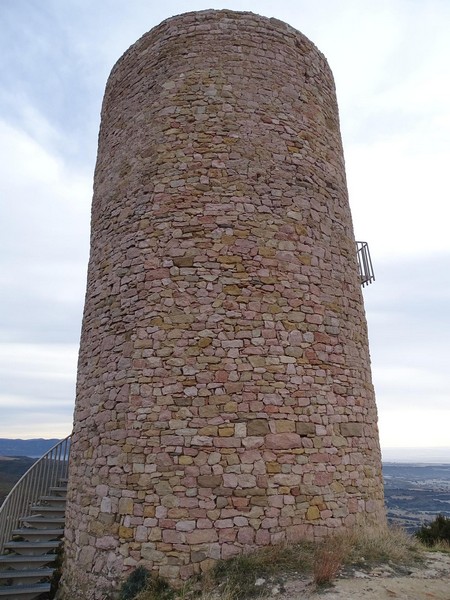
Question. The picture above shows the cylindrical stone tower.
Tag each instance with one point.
(224, 395)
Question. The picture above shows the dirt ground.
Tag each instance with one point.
(429, 581)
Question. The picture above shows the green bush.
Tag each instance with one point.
(435, 531)
(135, 583)
(143, 585)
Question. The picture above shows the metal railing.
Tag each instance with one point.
(36, 482)
(366, 274)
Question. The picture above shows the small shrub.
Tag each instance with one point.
(329, 558)
(237, 576)
(156, 589)
(438, 531)
(57, 573)
(375, 545)
(135, 583)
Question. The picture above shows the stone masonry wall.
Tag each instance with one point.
(224, 397)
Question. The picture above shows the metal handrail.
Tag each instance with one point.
(366, 274)
(40, 477)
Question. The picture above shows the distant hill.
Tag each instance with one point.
(33, 448)
(11, 470)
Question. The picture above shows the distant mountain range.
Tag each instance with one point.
(11, 469)
(33, 448)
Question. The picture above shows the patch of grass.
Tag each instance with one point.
(236, 578)
(364, 546)
(240, 573)
(156, 589)
(143, 585)
(376, 545)
(439, 547)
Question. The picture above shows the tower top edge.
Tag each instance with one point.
(182, 23)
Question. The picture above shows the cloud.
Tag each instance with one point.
(38, 389)
(407, 312)
(44, 244)
(414, 428)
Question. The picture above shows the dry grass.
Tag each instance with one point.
(235, 579)
(374, 545)
(442, 546)
(329, 557)
(240, 573)
(364, 546)
(156, 589)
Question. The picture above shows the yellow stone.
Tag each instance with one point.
(273, 467)
(230, 259)
(226, 431)
(266, 252)
(125, 506)
(204, 342)
(284, 426)
(233, 290)
(312, 513)
(257, 361)
(337, 487)
(228, 239)
(274, 309)
(156, 322)
(125, 532)
(185, 460)
(305, 259)
(209, 430)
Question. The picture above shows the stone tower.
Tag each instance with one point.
(224, 397)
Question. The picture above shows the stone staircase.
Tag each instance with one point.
(31, 530)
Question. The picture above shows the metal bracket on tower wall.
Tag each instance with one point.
(366, 273)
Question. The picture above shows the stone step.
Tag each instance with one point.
(21, 562)
(55, 491)
(56, 511)
(38, 535)
(43, 522)
(25, 576)
(23, 592)
(33, 548)
(53, 500)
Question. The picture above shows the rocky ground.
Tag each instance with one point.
(428, 581)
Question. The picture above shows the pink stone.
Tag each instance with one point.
(204, 523)
(185, 525)
(230, 480)
(171, 536)
(296, 533)
(246, 481)
(250, 456)
(246, 535)
(201, 536)
(323, 478)
(269, 523)
(229, 550)
(283, 441)
(262, 537)
(107, 542)
(253, 442)
(223, 523)
(221, 376)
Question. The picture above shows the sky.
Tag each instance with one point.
(390, 60)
